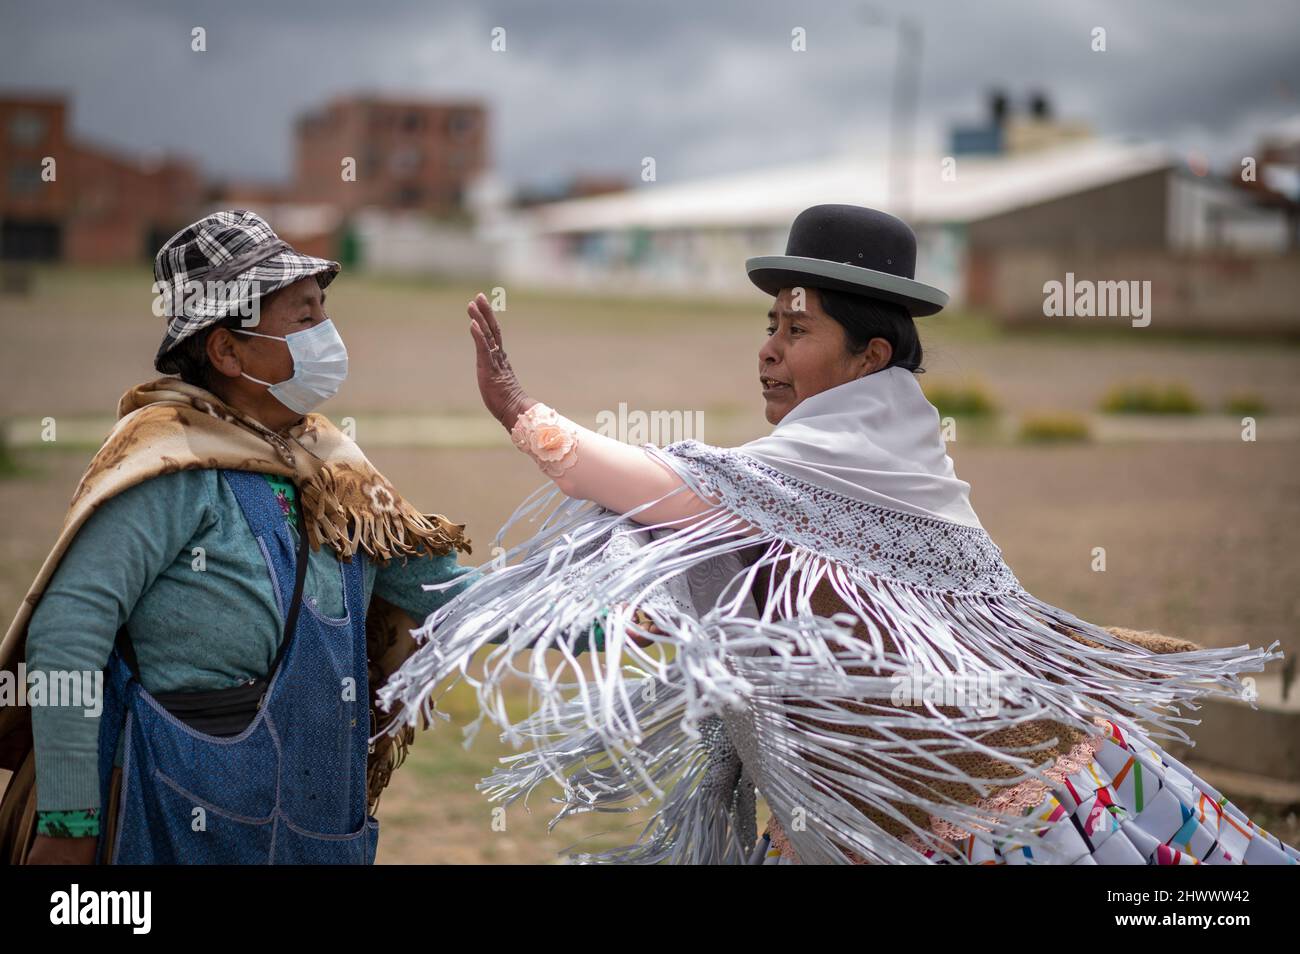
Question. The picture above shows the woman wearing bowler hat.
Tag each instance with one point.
(818, 618)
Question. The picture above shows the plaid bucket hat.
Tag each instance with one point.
(219, 267)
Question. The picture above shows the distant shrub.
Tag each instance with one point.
(1144, 397)
(8, 466)
(1243, 404)
(964, 400)
(1061, 426)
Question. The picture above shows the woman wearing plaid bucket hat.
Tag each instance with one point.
(240, 577)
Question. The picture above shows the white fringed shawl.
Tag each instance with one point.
(854, 488)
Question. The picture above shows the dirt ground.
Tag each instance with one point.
(1200, 537)
(83, 334)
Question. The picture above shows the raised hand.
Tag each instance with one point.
(497, 384)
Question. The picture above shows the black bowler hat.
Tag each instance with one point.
(851, 249)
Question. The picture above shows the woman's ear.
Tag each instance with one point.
(222, 353)
(878, 354)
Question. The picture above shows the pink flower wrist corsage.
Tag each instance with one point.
(547, 437)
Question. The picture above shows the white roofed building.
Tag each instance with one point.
(1081, 197)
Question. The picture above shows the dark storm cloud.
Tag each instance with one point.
(593, 85)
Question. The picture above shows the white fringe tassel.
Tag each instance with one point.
(634, 724)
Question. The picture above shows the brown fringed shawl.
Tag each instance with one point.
(166, 426)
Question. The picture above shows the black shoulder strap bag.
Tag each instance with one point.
(225, 712)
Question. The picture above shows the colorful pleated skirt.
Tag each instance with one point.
(1133, 804)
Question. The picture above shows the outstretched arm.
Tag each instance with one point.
(583, 464)
(591, 466)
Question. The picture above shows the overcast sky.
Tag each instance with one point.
(704, 86)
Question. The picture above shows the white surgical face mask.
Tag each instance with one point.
(320, 364)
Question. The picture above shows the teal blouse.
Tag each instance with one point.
(174, 560)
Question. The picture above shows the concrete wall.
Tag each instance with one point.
(412, 243)
(1208, 292)
(1129, 214)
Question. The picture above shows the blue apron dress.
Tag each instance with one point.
(290, 788)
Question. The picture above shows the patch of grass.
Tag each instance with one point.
(369, 295)
(441, 754)
(19, 462)
(1245, 404)
(970, 399)
(8, 465)
(961, 325)
(1054, 428)
(1150, 397)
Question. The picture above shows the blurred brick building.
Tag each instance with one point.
(411, 155)
(71, 201)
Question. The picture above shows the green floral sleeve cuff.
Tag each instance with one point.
(597, 642)
(286, 494)
(73, 823)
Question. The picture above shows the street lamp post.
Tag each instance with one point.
(905, 94)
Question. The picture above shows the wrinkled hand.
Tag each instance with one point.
(497, 384)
